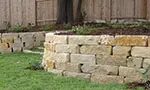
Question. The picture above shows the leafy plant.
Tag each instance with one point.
(35, 65)
(18, 28)
(49, 27)
(67, 26)
(80, 30)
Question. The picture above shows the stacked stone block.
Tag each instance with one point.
(104, 58)
(16, 42)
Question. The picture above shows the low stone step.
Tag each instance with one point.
(34, 52)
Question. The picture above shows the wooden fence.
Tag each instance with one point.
(39, 12)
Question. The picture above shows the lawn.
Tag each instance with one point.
(14, 76)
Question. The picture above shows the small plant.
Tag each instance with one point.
(34, 65)
(49, 27)
(67, 26)
(80, 30)
(18, 28)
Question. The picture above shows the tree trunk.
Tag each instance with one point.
(65, 12)
(79, 13)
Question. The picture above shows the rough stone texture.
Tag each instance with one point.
(39, 38)
(134, 62)
(55, 71)
(96, 49)
(60, 66)
(131, 40)
(100, 69)
(49, 65)
(17, 45)
(121, 51)
(106, 78)
(149, 41)
(111, 60)
(131, 79)
(146, 63)
(4, 48)
(65, 48)
(79, 75)
(73, 67)
(83, 40)
(127, 71)
(27, 39)
(62, 57)
(56, 39)
(140, 51)
(49, 37)
(9, 37)
(107, 40)
(50, 46)
(83, 59)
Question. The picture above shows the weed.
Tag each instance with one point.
(35, 65)
(18, 28)
(67, 26)
(80, 30)
(49, 27)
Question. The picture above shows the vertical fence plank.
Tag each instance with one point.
(29, 13)
(148, 10)
(106, 15)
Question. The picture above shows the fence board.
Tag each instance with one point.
(140, 8)
(148, 10)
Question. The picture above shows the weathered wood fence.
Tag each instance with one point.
(37, 12)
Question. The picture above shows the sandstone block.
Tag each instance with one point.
(134, 62)
(64, 48)
(50, 46)
(96, 49)
(106, 78)
(78, 75)
(132, 79)
(27, 39)
(111, 60)
(121, 51)
(61, 39)
(100, 69)
(60, 66)
(140, 51)
(107, 40)
(83, 39)
(126, 71)
(3, 45)
(55, 71)
(146, 63)
(5, 50)
(73, 67)
(49, 65)
(62, 57)
(17, 45)
(9, 37)
(39, 38)
(131, 40)
(83, 59)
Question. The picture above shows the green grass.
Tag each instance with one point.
(14, 76)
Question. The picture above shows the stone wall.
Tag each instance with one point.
(104, 58)
(16, 42)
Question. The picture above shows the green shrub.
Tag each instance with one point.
(67, 26)
(18, 28)
(80, 30)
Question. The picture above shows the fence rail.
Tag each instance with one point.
(40, 12)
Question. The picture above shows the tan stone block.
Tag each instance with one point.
(65, 48)
(134, 62)
(50, 46)
(100, 69)
(55, 71)
(132, 79)
(73, 67)
(9, 37)
(3, 45)
(106, 78)
(49, 37)
(131, 40)
(146, 63)
(128, 71)
(62, 57)
(49, 65)
(58, 39)
(121, 51)
(149, 41)
(107, 40)
(96, 49)
(111, 60)
(82, 39)
(83, 59)
(78, 75)
(60, 66)
(140, 51)
(39, 37)
(5, 50)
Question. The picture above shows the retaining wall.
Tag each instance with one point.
(104, 58)
(16, 42)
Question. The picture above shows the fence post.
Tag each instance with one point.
(148, 10)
